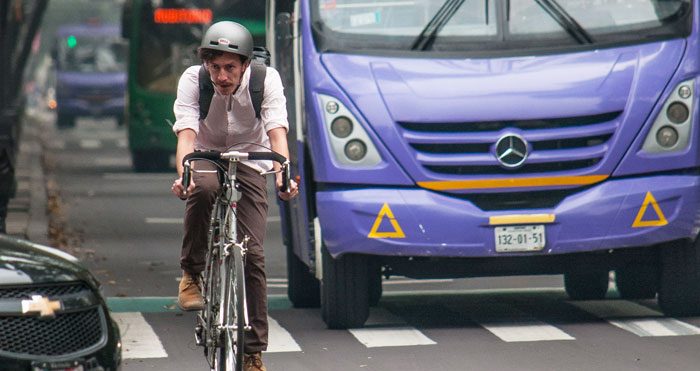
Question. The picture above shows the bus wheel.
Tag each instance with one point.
(679, 284)
(303, 288)
(591, 285)
(375, 284)
(150, 161)
(344, 290)
(637, 281)
(64, 121)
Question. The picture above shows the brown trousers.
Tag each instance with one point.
(252, 222)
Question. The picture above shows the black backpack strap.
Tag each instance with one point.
(206, 92)
(256, 85)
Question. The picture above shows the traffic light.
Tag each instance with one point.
(71, 41)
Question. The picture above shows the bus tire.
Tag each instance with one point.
(590, 285)
(679, 284)
(150, 161)
(303, 289)
(375, 284)
(637, 281)
(344, 290)
(64, 121)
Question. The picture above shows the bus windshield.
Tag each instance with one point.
(169, 37)
(88, 54)
(470, 25)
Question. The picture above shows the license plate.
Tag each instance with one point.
(520, 238)
(58, 366)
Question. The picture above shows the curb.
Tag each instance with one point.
(27, 212)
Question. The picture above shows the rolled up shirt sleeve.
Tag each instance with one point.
(273, 112)
(186, 107)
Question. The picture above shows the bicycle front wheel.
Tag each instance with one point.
(236, 317)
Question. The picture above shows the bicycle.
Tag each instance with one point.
(222, 323)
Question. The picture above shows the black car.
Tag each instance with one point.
(52, 315)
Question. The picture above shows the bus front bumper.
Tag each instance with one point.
(614, 214)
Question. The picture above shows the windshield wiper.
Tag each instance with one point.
(427, 36)
(566, 21)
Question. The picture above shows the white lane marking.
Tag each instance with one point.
(164, 220)
(121, 143)
(90, 143)
(636, 318)
(524, 330)
(383, 329)
(280, 339)
(113, 161)
(154, 220)
(510, 324)
(138, 338)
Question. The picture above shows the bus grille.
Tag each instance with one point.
(555, 145)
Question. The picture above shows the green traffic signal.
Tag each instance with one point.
(72, 41)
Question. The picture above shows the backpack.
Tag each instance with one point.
(256, 86)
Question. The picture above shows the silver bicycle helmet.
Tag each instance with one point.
(230, 37)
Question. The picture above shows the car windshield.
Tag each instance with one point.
(465, 25)
(93, 54)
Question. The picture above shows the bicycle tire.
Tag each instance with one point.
(222, 360)
(234, 313)
(205, 316)
(241, 315)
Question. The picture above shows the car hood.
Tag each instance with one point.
(23, 262)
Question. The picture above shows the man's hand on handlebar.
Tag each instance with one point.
(293, 189)
(179, 190)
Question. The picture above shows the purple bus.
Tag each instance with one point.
(90, 62)
(465, 138)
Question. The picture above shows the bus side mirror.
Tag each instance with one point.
(283, 28)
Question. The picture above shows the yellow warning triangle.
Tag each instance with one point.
(396, 233)
(649, 200)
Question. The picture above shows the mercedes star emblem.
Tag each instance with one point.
(511, 150)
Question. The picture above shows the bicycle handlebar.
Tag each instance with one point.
(236, 156)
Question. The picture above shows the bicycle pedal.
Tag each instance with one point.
(198, 335)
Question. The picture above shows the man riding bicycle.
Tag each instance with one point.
(231, 121)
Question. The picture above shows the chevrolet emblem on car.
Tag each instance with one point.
(41, 305)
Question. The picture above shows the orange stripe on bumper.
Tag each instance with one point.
(445, 185)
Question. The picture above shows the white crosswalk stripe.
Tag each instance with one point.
(90, 143)
(138, 338)
(510, 324)
(383, 329)
(280, 340)
(637, 318)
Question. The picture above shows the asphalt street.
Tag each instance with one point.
(126, 228)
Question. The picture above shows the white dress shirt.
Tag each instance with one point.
(230, 123)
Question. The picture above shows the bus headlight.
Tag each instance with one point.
(671, 129)
(350, 143)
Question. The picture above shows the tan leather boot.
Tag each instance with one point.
(253, 362)
(190, 295)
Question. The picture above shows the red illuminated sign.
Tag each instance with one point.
(170, 15)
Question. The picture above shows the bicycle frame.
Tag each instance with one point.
(223, 321)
